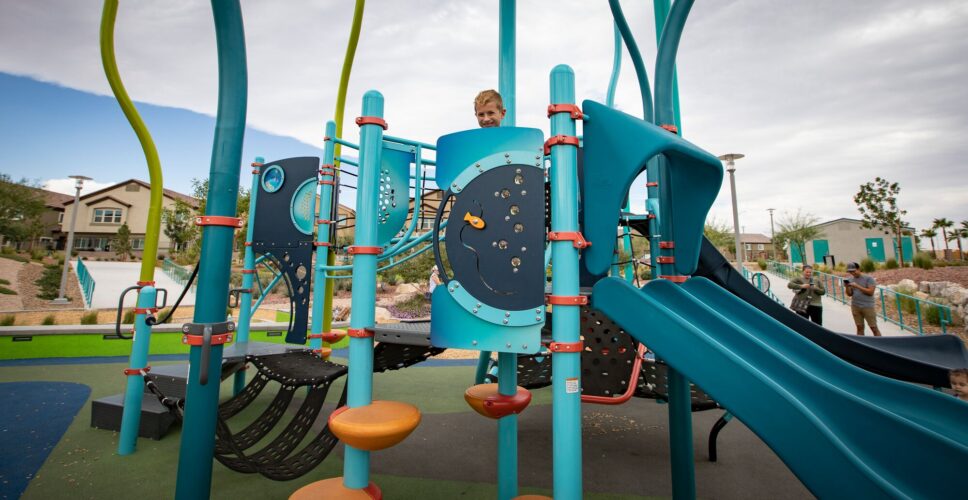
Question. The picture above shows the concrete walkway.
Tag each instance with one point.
(111, 278)
(836, 316)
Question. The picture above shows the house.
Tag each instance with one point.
(756, 246)
(101, 213)
(846, 240)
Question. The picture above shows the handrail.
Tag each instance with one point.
(86, 281)
(900, 302)
(177, 273)
(757, 280)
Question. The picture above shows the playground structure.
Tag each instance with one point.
(827, 419)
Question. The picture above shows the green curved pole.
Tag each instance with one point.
(150, 252)
(344, 82)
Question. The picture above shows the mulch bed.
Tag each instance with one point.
(955, 274)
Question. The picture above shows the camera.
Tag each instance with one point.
(846, 282)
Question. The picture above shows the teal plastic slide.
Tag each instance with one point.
(845, 432)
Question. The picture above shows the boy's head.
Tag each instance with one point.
(489, 109)
(959, 383)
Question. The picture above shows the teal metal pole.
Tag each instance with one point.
(356, 464)
(248, 277)
(680, 408)
(506, 60)
(566, 367)
(134, 391)
(201, 403)
(324, 218)
(661, 8)
(507, 429)
(616, 68)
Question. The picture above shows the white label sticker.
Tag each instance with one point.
(572, 385)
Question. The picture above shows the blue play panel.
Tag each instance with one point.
(33, 417)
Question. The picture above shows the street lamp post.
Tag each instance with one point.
(61, 298)
(731, 168)
(772, 234)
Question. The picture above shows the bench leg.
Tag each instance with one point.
(714, 433)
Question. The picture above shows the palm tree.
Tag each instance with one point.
(944, 224)
(957, 234)
(930, 234)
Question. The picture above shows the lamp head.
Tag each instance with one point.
(79, 180)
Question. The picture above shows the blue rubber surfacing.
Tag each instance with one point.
(33, 418)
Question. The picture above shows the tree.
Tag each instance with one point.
(121, 244)
(21, 209)
(877, 203)
(179, 224)
(796, 230)
(957, 234)
(944, 224)
(930, 234)
(719, 234)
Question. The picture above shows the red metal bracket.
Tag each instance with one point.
(675, 278)
(665, 259)
(558, 140)
(322, 244)
(566, 300)
(327, 138)
(256, 164)
(222, 338)
(651, 184)
(363, 250)
(667, 244)
(137, 371)
(670, 128)
(145, 283)
(360, 333)
(328, 183)
(315, 336)
(145, 310)
(248, 243)
(323, 221)
(578, 241)
(650, 216)
(256, 171)
(371, 120)
(248, 271)
(556, 347)
(218, 220)
(572, 109)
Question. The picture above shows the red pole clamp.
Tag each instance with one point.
(248, 271)
(578, 241)
(371, 120)
(327, 166)
(248, 244)
(321, 222)
(671, 128)
(137, 371)
(675, 278)
(145, 283)
(667, 244)
(360, 333)
(315, 336)
(565, 346)
(557, 140)
(332, 337)
(322, 244)
(363, 250)
(222, 338)
(327, 138)
(145, 310)
(566, 300)
(255, 171)
(651, 216)
(572, 109)
(328, 183)
(218, 220)
(664, 259)
(651, 184)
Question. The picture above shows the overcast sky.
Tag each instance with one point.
(821, 96)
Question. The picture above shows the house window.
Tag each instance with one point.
(132, 187)
(60, 217)
(107, 215)
(749, 246)
(137, 243)
(760, 246)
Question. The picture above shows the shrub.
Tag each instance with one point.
(38, 254)
(762, 264)
(128, 318)
(891, 264)
(7, 320)
(4, 282)
(162, 314)
(49, 320)
(6, 291)
(932, 315)
(867, 265)
(49, 283)
(923, 260)
(414, 306)
(89, 318)
(13, 256)
(841, 267)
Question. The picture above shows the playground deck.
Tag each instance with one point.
(450, 455)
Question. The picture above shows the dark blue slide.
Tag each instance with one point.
(844, 431)
(920, 359)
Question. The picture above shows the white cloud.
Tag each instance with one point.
(67, 186)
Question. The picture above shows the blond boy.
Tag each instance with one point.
(959, 383)
(489, 108)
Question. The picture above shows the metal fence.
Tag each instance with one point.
(177, 273)
(86, 281)
(762, 283)
(893, 307)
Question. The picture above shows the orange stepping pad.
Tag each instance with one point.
(376, 426)
(486, 400)
(333, 489)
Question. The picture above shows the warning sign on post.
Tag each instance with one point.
(572, 385)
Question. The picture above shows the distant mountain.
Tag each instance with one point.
(48, 131)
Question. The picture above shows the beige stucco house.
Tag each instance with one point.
(846, 240)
